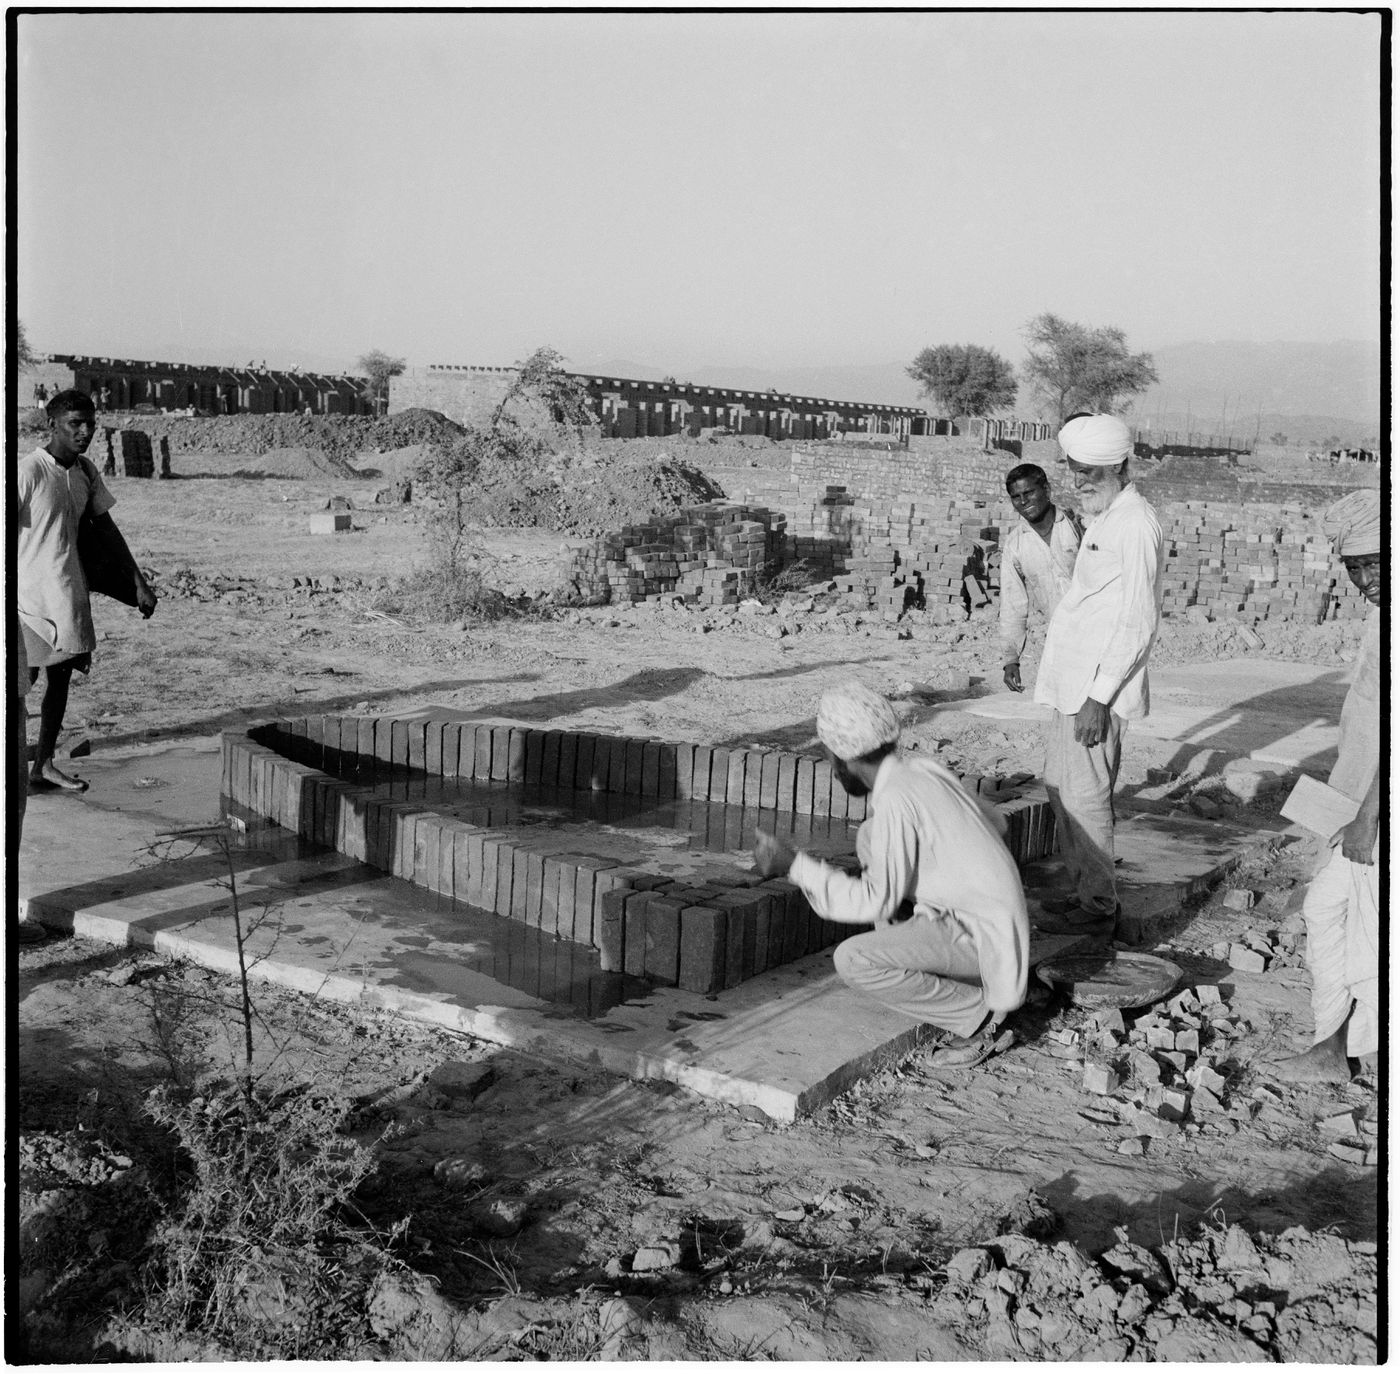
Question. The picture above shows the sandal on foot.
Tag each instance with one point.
(978, 1050)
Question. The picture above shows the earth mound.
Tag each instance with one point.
(337, 437)
(589, 495)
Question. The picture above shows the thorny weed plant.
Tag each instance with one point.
(262, 1247)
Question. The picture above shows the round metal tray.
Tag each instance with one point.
(1111, 978)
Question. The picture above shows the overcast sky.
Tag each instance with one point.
(688, 190)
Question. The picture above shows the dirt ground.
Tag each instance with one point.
(1004, 1212)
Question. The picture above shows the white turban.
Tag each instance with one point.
(1353, 524)
(852, 721)
(1099, 440)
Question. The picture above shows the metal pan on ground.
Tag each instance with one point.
(1111, 978)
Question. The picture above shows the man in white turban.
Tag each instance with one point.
(1342, 905)
(1093, 673)
(950, 941)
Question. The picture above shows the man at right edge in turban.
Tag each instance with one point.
(1093, 673)
(1342, 905)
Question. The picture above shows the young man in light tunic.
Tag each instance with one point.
(951, 940)
(1342, 906)
(55, 486)
(1093, 673)
(1037, 562)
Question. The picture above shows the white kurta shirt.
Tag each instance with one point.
(1036, 574)
(1102, 631)
(54, 611)
(928, 840)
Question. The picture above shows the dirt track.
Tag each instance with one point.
(828, 1239)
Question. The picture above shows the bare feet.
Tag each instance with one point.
(1324, 1063)
(50, 773)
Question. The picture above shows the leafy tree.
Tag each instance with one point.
(965, 379)
(379, 367)
(1278, 437)
(24, 355)
(1072, 367)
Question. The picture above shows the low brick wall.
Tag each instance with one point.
(316, 776)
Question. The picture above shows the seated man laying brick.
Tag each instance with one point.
(959, 961)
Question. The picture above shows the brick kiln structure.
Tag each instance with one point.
(631, 409)
(128, 384)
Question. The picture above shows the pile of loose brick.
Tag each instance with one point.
(709, 555)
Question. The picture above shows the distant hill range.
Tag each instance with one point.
(1310, 392)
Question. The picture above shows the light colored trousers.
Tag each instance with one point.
(925, 967)
(1342, 912)
(1080, 784)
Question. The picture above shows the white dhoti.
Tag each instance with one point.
(1342, 912)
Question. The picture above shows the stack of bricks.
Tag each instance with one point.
(1253, 563)
(130, 454)
(708, 555)
(323, 777)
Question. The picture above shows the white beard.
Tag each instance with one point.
(1094, 500)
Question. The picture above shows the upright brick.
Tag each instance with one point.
(667, 770)
(803, 786)
(753, 777)
(632, 774)
(549, 775)
(584, 754)
(534, 757)
(450, 747)
(568, 759)
(500, 753)
(364, 745)
(822, 782)
(702, 758)
(617, 765)
(609, 928)
(719, 775)
(520, 885)
(557, 896)
(383, 744)
(634, 933)
(481, 766)
(417, 745)
(703, 954)
(399, 735)
(768, 780)
(467, 866)
(602, 761)
(515, 754)
(734, 782)
(661, 961)
(650, 782)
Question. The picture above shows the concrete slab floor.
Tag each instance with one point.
(786, 1042)
(1264, 709)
